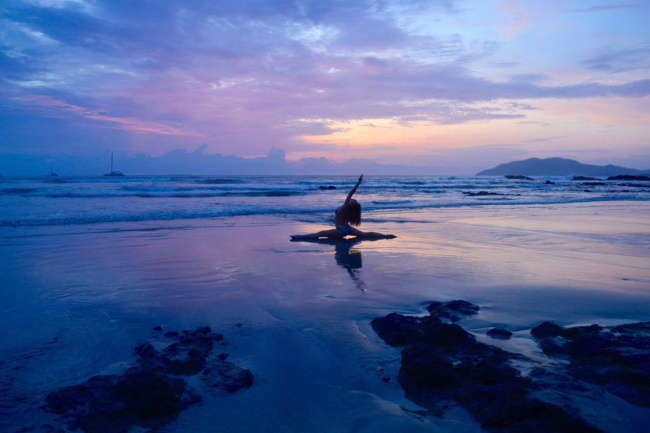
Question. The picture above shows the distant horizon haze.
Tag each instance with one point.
(197, 162)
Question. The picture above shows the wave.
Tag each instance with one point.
(391, 202)
(8, 191)
(220, 181)
(314, 215)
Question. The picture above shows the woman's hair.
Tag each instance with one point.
(354, 213)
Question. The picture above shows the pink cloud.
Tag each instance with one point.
(126, 123)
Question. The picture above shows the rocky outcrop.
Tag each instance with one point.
(153, 391)
(616, 357)
(441, 362)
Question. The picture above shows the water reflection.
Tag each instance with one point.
(347, 257)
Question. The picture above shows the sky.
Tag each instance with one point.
(435, 86)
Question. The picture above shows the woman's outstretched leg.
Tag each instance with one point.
(329, 234)
(371, 235)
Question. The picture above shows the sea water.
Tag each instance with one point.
(90, 265)
(89, 200)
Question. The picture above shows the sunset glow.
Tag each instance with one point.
(467, 83)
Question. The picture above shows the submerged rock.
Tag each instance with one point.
(480, 193)
(227, 376)
(441, 362)
(499, 333)
(152, 392)
(329, 187)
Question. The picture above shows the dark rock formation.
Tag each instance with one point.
(546, 330)
(227, 376)
(629, 177)
(117, 403)
(441, 362)
(499, 333)
(480, 193)
(517, 177)
(326, 187)
(453, 310)
(151, 393)
(616, 357)
(548, 182)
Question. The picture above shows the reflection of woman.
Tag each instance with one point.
(346, 218)
(350, 259)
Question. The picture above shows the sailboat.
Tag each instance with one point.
(113, 173)
(52, 173)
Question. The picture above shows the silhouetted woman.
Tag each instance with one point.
(347, 218)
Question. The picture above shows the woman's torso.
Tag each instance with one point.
(341, 216)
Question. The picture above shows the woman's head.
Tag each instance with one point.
(354, 212)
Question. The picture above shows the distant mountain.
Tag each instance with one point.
(557, 167)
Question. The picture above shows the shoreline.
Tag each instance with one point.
(78, 301)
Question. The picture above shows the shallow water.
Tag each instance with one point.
(76, 299)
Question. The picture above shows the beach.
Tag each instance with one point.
(78, 298)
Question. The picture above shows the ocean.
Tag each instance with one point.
(90, 200)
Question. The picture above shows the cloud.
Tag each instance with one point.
(125, 123)
(620, 61)
(249, 75)
(607, 7)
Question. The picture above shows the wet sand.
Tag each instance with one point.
(76, 300)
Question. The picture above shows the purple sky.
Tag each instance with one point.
(458, 86)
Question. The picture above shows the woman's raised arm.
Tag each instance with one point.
(347, 200)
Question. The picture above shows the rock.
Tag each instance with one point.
(548, 182)
(616, 357)
(453, 310)
(117, 403)
(546, 330)
(499, 333)
(227, 376)
(480, 193)
(442, 362)
(398, 330)
(157, 328)
(629, 177)
(151, 393)
(329, 187)
(584, 178)
(517, 177)
(594, 183)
